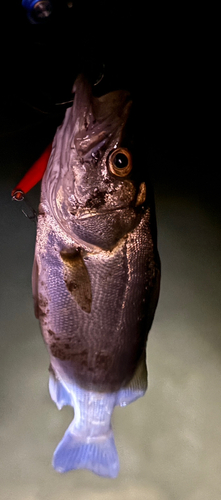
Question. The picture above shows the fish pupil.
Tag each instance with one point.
(120, 160)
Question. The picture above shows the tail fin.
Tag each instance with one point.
(97, 454)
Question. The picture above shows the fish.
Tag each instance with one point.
(96, 272)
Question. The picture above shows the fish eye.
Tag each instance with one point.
(120, 162)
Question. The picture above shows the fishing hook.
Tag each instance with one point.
(19, 195)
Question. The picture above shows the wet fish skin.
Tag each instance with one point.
(95, 276)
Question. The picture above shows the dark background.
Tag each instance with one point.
(164, 56)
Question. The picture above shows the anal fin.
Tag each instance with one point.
(136, 387)
(58, 392)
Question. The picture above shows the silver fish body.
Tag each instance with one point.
(96, 273)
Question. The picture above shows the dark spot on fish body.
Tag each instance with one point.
(41, 306)
(42, 301)
(71, 286)
(103, 371)
(102, 360)
(71, 352)
(81, 358)
(54, 335)
(40, 313)
(59, 352)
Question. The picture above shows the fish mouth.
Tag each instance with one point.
(84, 214)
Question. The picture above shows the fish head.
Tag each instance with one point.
(99, 194)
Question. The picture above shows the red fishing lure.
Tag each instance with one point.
(33, 176)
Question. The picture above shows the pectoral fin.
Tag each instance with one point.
(77, 279)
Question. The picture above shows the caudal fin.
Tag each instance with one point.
(97, 454)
